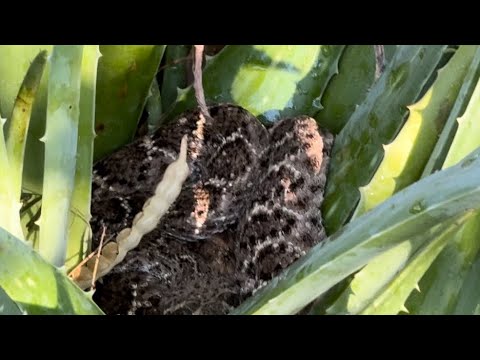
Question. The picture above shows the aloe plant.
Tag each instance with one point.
(444, 142)
(438, 290)
(404, 160)
(369, 282)
(20, 118)
(125, 74)
(392, 298)
(154, 107)
(79, 232)
(444, 280)
(36, 286)
(294, 77)
(350, 86)
(9, 204)
(469, 299)
(29, 281)
(406, 156)
(7, 305)
(358, 149)
(410, 246)
(69, 152)
(16, 60)
(60, 140)
(175, 73)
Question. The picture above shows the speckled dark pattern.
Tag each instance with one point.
(250, 207)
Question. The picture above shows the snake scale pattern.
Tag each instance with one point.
(249, 208)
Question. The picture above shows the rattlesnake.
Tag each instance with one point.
(249, 208)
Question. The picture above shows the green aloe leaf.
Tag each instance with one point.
(18, 124)
(271, 81)
(36, 286)
(375, 276)
(469, 298)
(442, 147)
(175, 73)
(446, 195)
(348, 89)
(154, 107)
(406, 156)
(7, 305)
(125, 75)
(392, 298)
(442, 283)
(358, 149)
(60, 140)
(79, 232)
(9, 203)
(16, 60)
(402, 164)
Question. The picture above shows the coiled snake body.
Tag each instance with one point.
(249, 208)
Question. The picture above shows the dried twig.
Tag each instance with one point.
(197, 80)
(91, 255)
(379, 60)
(95, 269)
